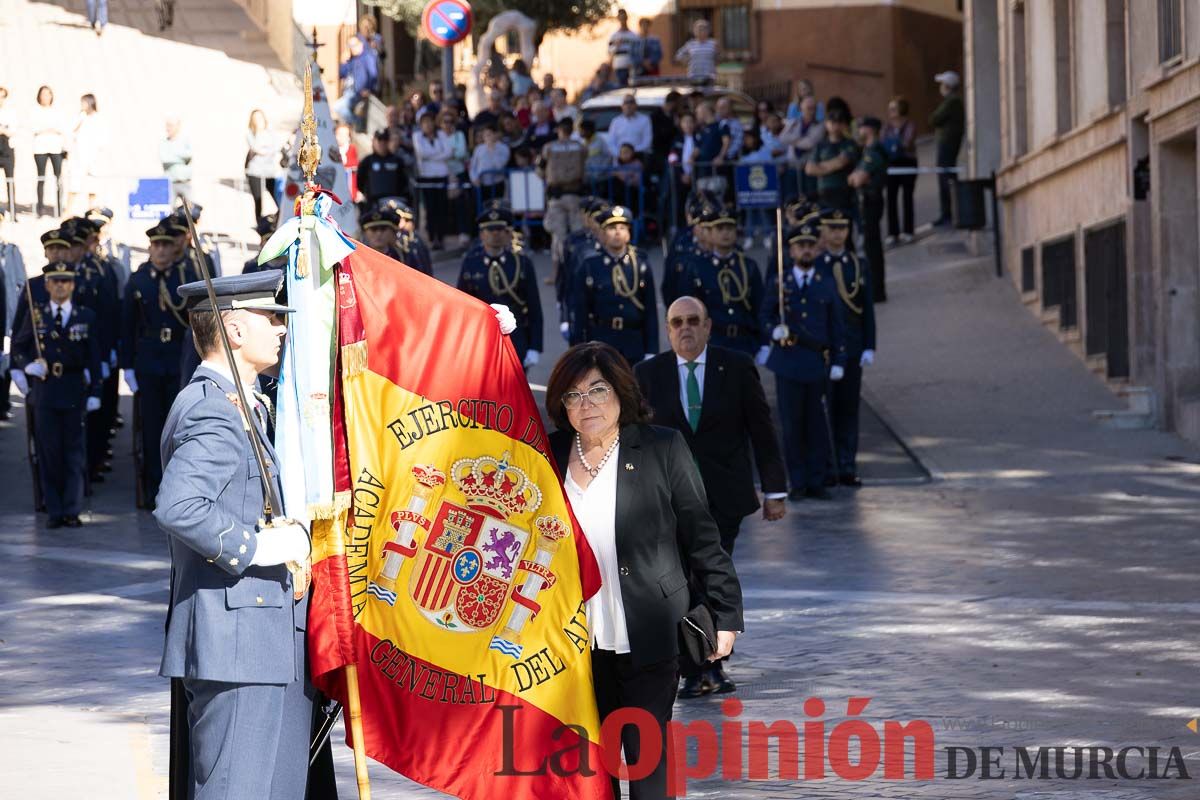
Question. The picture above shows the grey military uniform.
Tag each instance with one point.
(234, 633)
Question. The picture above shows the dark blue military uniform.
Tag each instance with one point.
(508, 278)
(386, 218)
(153, 327)
(613, 299)
(67, 389)
(852, 280)
(731, 287)
(801, 363)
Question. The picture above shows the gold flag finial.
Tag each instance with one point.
(310, 148)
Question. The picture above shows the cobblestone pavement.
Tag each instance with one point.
(1040, 591)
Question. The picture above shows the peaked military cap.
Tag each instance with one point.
(257, 291)
(803, 232)
(617, 215)
(719, 215)
(57, 237)
(264, 227)
(380, 217)
(397, 207)
(58, 270)
(494, 218)
(102, 216)
(599, 210)
(180, 220)
(164, 231)
(72, 232)
(835, 218)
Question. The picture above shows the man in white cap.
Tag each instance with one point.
(948, 121)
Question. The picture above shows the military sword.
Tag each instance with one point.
(37, 338)
(779, 268)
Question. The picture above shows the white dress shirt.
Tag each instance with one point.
(596, 509)
(66, 312)
(682, 363)
(804, 276)
(633, 130)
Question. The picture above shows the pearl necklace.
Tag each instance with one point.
(594, 471)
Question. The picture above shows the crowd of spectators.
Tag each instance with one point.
(433, 152)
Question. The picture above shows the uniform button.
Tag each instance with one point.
(258, 600)
(623, 570)
(233, 562)
(242, 549)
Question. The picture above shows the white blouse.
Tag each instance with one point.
(596, 509)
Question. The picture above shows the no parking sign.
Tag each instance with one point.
(447, 22)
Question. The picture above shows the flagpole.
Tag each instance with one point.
(308, 157)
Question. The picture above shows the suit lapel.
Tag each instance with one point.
(714, 379)
(629, 473)
(670, 378)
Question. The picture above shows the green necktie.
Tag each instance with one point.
(693, 396)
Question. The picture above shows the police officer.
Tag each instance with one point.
(584, 245)
(613, 298)
(116, 256)
(851, 277)
(870, 179)
(685, 249)
(380, 226)
(413, 250)
(496, 274)
(730, 286)
(57, 359)
(807, 350)
(264, 229)
(207, 244)
(234, 626)
(153, 324)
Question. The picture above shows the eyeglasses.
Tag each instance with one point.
(597, 396)
(692, 321)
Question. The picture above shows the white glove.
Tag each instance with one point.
(565, 329)
(130, 380)
(761, 358)
(105, 370)
(36, 370)
(532, 357)
(280, 544)
(867, 359)
(112, 359)
(836, 373)
(508, 323)
(18, 377)
(93, 404)
(779, 333)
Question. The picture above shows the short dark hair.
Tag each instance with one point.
(587, 127)
(613, 367)
(204, 331)
(901, 104)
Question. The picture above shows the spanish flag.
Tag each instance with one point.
(458, 583)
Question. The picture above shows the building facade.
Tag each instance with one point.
(1089, 113)
(866, 51)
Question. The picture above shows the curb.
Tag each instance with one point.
(920, 457)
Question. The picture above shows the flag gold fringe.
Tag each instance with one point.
(322, 511)
(354, 359)
(341, 503)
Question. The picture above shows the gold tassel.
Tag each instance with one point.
(341, 502)
(302, 262)
(354, 359)
(322, 511)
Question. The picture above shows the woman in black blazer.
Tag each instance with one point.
(639, 498)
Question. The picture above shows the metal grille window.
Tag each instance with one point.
(735, 30)
(732, 23)
(1170, 29)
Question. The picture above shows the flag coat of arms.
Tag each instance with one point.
(459, 581)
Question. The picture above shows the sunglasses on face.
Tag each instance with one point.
(691, 320)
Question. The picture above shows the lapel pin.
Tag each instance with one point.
(629, 467)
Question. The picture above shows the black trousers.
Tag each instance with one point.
(620, 684)
(805, 436)
(55, 160)
(5, 388)
(8, 163)
(947, 156)
(156, 393)
(845, 397)
(60, 446)
(434, 204)
(900, 198)
(871, 213)
(256, 190)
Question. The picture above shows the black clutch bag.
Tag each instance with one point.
(697, 638)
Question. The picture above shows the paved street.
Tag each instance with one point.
(1040, 590)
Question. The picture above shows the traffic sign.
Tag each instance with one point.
(447, 22)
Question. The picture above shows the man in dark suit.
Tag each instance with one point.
(713, 396)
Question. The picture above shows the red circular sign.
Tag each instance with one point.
(447, 22)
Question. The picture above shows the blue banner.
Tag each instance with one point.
(151, 199)
(756, 185)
